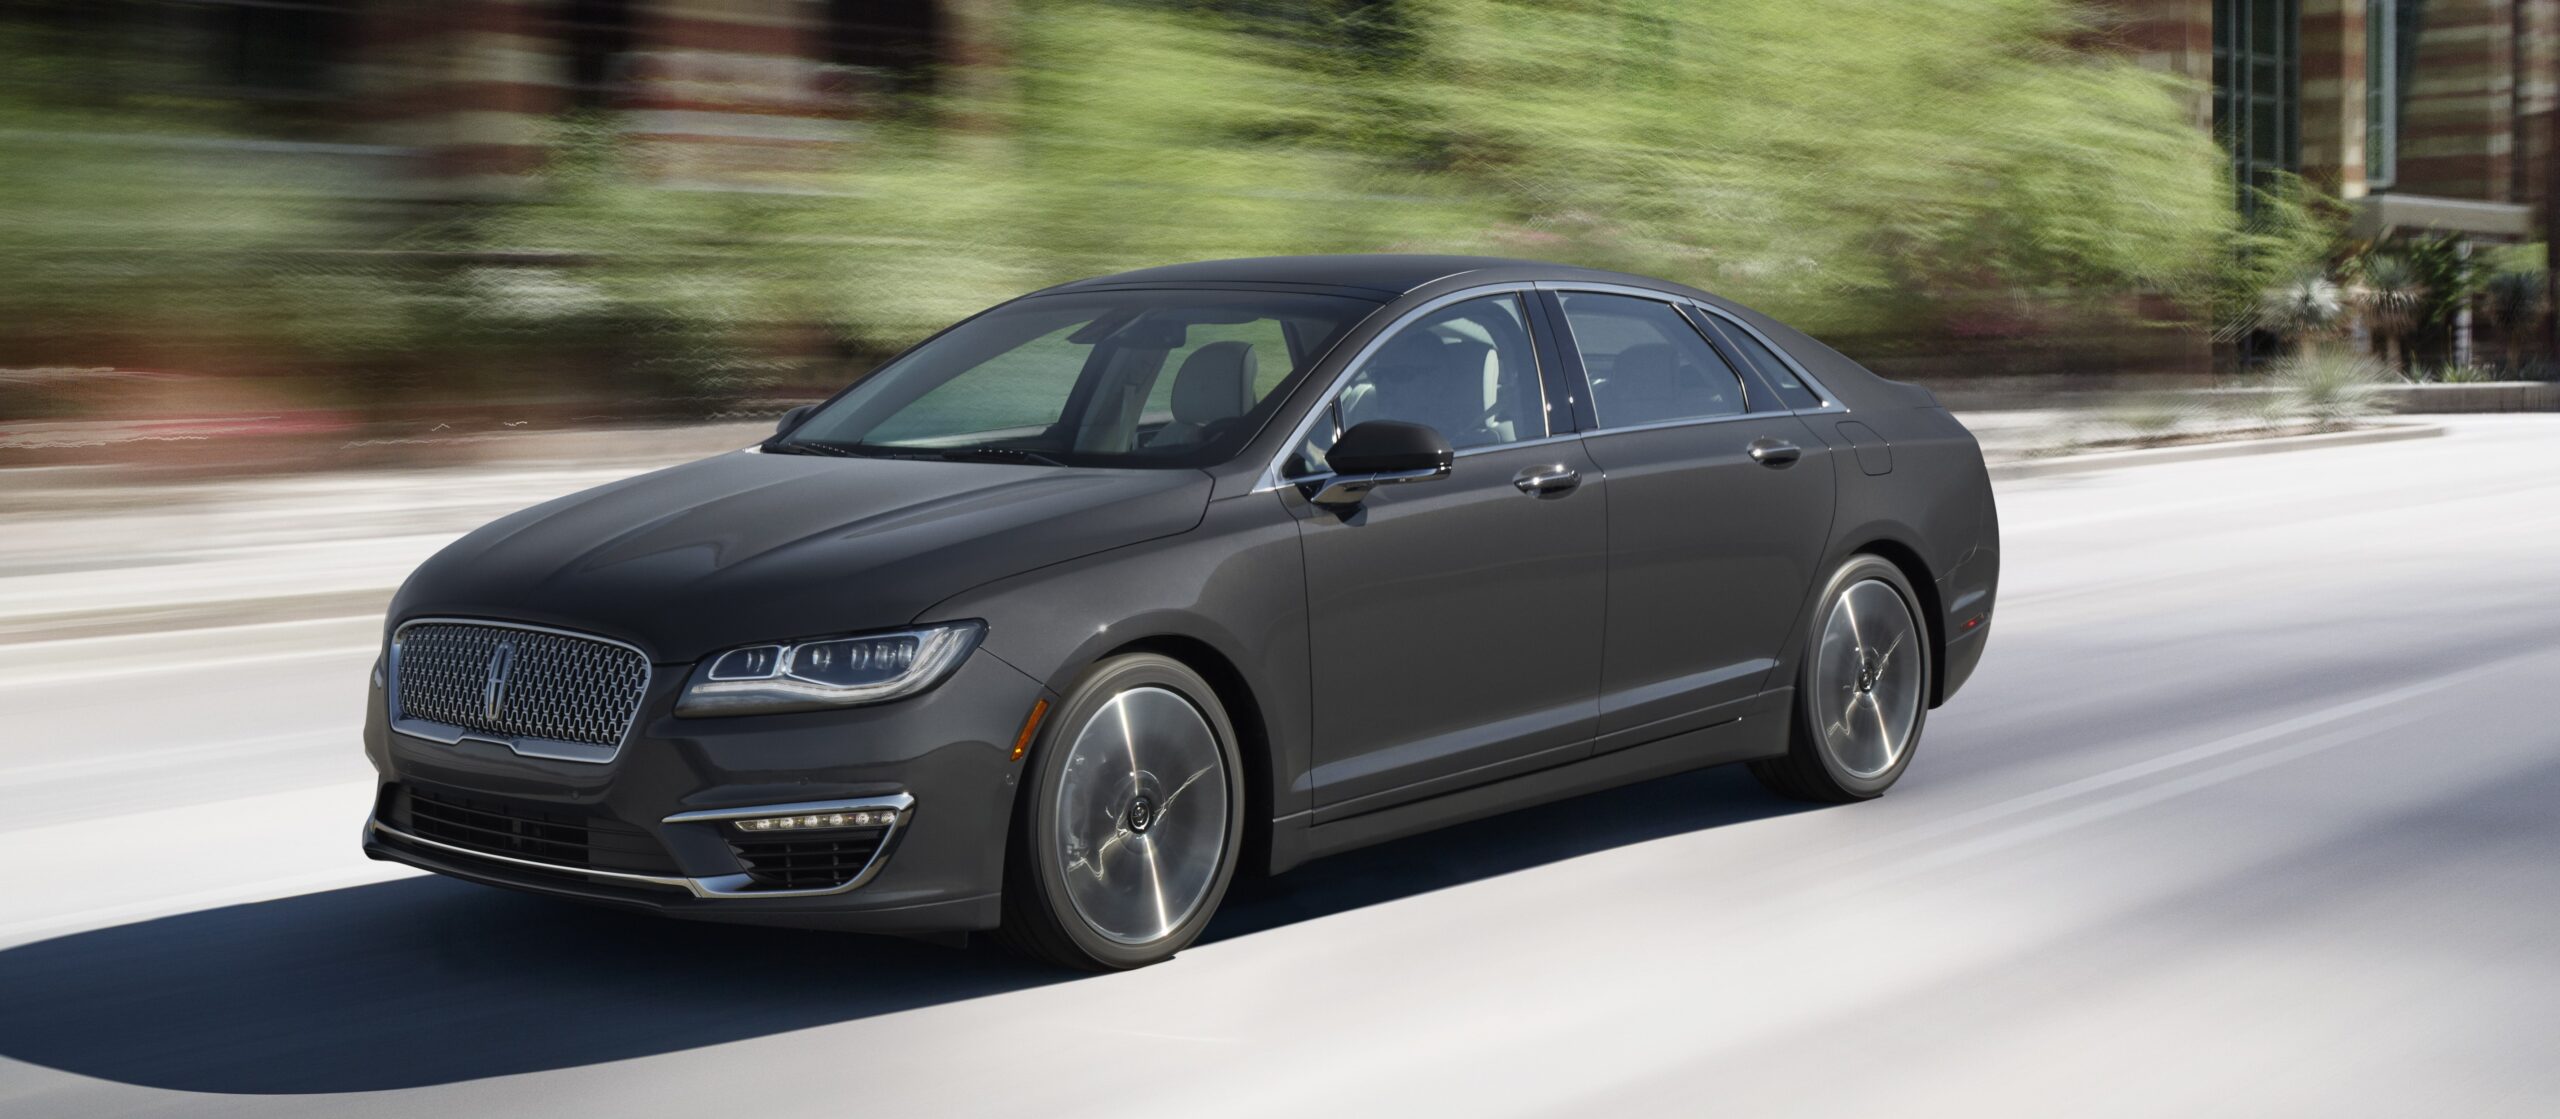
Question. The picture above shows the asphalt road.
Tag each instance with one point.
(2253, 809)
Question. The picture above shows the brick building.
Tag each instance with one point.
(2427, 114)
(465, 91)
(2424, 115)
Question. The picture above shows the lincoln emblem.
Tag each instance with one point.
(493, 695)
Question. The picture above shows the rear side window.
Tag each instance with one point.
(1646, 363)
(1781, 377)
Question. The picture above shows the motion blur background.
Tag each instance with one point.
(286, 234)
(2248, 810)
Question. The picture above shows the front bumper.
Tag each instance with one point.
(941, 759)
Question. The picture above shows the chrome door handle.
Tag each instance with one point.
(1770, 452)
(1547, 481)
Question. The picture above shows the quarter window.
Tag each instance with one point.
(1781, 377)
(1646, 363)
(1466, 370)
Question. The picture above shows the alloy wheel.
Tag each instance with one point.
(1868, 676)
(1142, 815)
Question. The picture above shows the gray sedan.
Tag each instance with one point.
(1059, 620)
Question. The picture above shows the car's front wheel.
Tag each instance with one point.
(1862, 693)
(1130, 825)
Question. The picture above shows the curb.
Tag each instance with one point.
(2232, 448)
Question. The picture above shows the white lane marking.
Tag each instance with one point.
(2131, 800)
(189, 633)
(147, 759)
(122, 671)
(1904, 839)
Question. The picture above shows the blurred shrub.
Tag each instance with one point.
(1851, 165)
(2329, 391)
(2155, 417)
(128, 243)
(1837, 161)
(2293, 232)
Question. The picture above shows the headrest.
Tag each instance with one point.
(1647, 370)
(1414, 351)
(1215, 383)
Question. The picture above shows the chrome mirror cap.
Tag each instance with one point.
(1343, 490)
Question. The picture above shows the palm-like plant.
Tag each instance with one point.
(2302, 309)
(2515, 301)
(2391, 296)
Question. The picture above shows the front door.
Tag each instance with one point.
(1455, 624)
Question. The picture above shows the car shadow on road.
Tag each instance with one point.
(426, 980)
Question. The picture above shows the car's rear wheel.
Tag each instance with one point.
(1862, 693)
(1131, 821)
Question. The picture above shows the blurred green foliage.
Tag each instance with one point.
(1862, 167)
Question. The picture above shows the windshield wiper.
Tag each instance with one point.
(965, 454)
(915, 454)
(813, 447)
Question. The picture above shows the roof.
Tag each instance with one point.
(1387, 273)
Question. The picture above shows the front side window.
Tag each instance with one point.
(1117, 379)
(1646, 363)
(1466, 371)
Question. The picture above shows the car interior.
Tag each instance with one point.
(1466, 372)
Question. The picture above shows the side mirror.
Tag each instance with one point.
(792, 418)
(1382, 453)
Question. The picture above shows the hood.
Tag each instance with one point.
(752, 547)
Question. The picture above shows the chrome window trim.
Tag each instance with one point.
(1695, 421)
(718, 886)
(1270, 479)
(1830, 402)
(446, 734)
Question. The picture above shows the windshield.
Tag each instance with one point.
(1118, 378)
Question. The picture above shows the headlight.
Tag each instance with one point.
(835, 672)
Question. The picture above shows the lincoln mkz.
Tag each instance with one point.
(1061, 619)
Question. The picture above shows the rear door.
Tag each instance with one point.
(1718, 515)
(1455, 624)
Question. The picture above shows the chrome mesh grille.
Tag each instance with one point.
(558, 687)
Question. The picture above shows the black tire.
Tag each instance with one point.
(1809, 770)
(1041, 918)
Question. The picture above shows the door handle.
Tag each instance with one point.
(1770, 452)
(1547, 481)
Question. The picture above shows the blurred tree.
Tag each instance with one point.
(1851, 165)
(2295, 230)
(1964, 156)
(2389, 294)
(2448, 278)
(1966, 151)
(2517, 292)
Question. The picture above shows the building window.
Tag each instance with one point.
(2257, 82)
(2390, 52)
(896, 41)
(2381, 93)
(597, 34)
